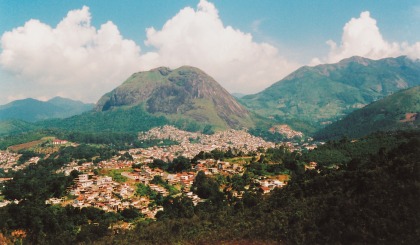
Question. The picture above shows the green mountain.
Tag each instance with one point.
(395, 112)
(312, 97)
(130, 119)
(184, 95)
(8, 127)
(32, 110)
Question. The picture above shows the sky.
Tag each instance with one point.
(83, 49)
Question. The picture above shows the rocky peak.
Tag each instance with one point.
(186, 90)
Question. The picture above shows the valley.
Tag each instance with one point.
(172, 150)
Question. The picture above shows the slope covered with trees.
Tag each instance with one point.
(312, 97)
(395, 112)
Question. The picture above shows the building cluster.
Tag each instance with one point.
(92, 190)
(59, 142)
(286, 131)
(211, 166)
(190, 144)
(113, 163)
(268, 184)
(9, 161)
(102, 192)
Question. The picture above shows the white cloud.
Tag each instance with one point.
(74, 59)
(199, 38)
(77, 60)
(362, 37)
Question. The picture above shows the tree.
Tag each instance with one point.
(179, 164)
(130, 214)
(206, 187)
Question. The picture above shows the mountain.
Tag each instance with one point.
(186, 94)
(317, 96)
(32, 110)
(71, 107)
(9, 127)
(395, 112)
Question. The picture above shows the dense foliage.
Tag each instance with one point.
(177, 165)
(395, 112)
(133, 119)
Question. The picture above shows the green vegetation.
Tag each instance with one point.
(187, 97)
(313, 96)
(178, 165)
(145, 190)
(395, 112)
(133, 119)
(20, 138)
(26, 155)
(116, 175)
(170, 188)
(207, 188)
(12, 127)
(116, 140)
(343, 151)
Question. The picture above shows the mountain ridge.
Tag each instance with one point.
(325, 93)
(185, 92)
(33, 110)
(399, 111)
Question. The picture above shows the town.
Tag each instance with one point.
(129, 179)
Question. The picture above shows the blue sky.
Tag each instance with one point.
(245, 45)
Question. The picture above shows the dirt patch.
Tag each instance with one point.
(409, 117)
(16, 148)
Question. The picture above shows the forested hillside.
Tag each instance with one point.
(312, 97)
(395, 112)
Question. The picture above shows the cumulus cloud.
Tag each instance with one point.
(199, 38)
(73, 59)
(362, 37)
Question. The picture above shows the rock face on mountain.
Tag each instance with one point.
(395, 112)
(323, 94)
(183, 93)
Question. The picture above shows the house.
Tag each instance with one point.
(59, 142)
(265, 190)
(223, 165)
(83, 177)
